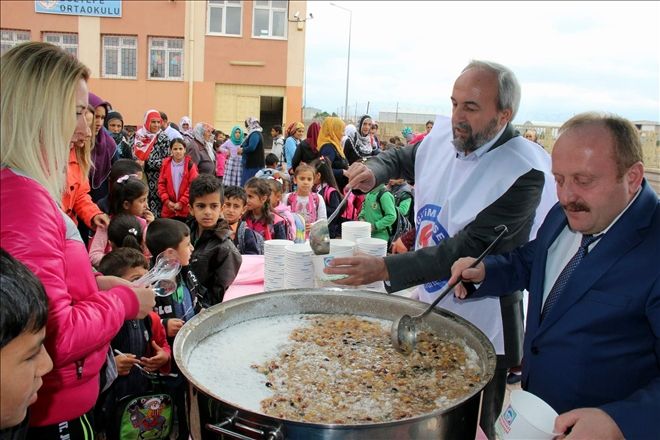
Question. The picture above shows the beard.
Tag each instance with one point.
(474, 140)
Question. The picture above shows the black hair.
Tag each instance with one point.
(126, 189)
(429, 122)
(271, 159)
(163, 116)
(120, 260)
(204, 184)
(23, 298)
(236, 192)
(277, 128)
(125, 230)
(123, 167)
(165, 233)
(325, 170)
(177, 141)
(262, 188)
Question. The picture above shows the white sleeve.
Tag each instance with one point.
(321, 212)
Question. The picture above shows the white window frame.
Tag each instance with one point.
(271, 9)
(118, 48)
(167, 51)
(60, 43)
(14, 40)
(224, 7)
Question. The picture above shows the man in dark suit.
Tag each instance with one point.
(592, 343)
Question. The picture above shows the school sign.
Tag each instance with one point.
(90, 8)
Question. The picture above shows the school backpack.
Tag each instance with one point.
(403, 193)
(402, 224)
(353, 205)
(240, 233)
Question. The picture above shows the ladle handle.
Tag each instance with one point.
(503, 230)
(341, 204)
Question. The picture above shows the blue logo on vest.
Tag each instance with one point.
(430, 233)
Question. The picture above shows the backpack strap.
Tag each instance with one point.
(291, 200)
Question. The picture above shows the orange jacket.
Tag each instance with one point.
(76, 201)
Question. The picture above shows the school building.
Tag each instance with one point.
(217, 61)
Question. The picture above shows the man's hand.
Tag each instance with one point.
(100, 221)
(361, 269)
(157, 360)
(173, 326)
(587, 424)
(460, 270)
(125, 362)
(398, 247)
(360, 177)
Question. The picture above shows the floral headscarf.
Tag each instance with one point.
(362, 143)
(331, 133)
(252, 125)
(144, 139)
(293, 127)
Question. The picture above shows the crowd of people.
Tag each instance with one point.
(74, 319)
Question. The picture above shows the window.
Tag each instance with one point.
(224, 17)
(68, 42)
(166, 58)
(12, 38)
(119, 57)
(270, 18)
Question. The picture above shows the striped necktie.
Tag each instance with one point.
(566, 273)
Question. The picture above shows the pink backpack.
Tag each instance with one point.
(292, 201)
(353, 204)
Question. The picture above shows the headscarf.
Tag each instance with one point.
(293, 127)
(117, 137)
(362, 144)
(198, 134)
(185, 120)
(313, 136)
(233, 139)
(349, 133)
(252, 125)
(331, 133)
(407, 131)
(104, 148)
(144, 139)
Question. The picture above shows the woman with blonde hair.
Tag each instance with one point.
(76, 201)
(332, 149)
(49, 85)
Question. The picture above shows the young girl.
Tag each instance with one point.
(233, 167)
(326, 187)
(174, 182)
(281, 209)
(305, 201)
(128, 196)
(259, 216)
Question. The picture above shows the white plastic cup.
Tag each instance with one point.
(526, 417)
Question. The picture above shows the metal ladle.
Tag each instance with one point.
(319, 234)
(405, 329)
(161, 277)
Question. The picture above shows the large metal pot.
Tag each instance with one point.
(213, 417)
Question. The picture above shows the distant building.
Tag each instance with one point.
(215, 61)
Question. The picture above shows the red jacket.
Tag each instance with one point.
(76, 201)
(81, 319)
(166, 187)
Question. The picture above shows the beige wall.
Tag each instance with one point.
(274, 67)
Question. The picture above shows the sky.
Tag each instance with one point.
(569, 57)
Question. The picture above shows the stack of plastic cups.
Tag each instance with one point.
(341, 246)
(298, 266)
(274, 257)
(352, 231)
(375, 247)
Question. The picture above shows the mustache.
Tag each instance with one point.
(576, 207)
(463, 126)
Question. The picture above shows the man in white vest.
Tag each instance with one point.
(472, 173)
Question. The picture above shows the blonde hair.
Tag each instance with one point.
(37, 111)
(84, 154)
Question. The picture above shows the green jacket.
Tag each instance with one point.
(381, 215)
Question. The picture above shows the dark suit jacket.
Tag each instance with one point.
(600, 344)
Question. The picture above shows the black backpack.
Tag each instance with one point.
(402, 223)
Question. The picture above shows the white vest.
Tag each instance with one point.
(450, 192)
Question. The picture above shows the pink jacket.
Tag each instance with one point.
(81, 319)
